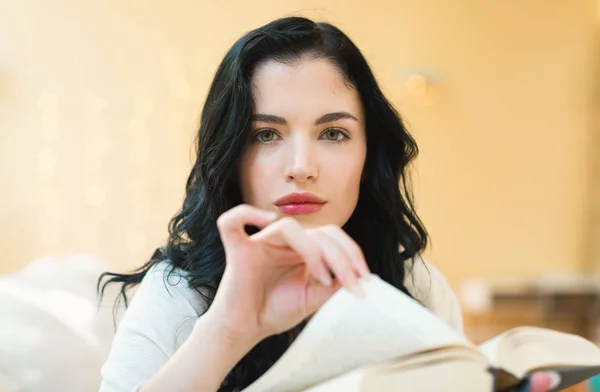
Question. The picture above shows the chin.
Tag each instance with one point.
(308, 221)
(316, 220)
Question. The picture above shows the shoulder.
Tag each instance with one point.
(164, 302)
(164, 281)
(159, 318)
(428, 285)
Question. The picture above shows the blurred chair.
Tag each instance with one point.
(54, 336)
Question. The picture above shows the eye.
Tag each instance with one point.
(335, 135)
(266, 136)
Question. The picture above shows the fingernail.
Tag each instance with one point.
(555, 379)
(325, 280)
(272, 215)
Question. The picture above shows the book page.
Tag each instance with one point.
(491, 350)
(455, 369)
(349, 332)
(523, 350)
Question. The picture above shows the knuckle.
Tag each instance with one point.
(225, 218)
(241, 208)
(222, 220)
(333, 229)
(287, 222)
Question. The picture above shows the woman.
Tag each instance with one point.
(294, 194)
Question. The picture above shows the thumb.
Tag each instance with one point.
(543, 381)
(317, 294)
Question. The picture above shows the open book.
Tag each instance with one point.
(386, 341)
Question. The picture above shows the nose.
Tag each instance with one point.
(302, 162)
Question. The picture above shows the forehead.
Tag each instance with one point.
(309, 86)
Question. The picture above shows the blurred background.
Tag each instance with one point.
(99, 103)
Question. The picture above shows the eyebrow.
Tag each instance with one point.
(269, 118)
(330, 117)
(326, 118)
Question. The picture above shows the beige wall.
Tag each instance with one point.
(99, 100)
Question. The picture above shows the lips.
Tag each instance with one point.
(300, 198)
(300, 203)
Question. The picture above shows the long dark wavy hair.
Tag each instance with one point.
(384, 223)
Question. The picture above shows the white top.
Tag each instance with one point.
(164, 309)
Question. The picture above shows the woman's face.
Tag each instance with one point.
(308, 146)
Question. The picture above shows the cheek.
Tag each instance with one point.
(256, 180)
(346, 174)
(344, 187)
(352, 176)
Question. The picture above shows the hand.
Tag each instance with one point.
(542, 382)
(279, 276)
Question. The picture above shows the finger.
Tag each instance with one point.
(337, 261)
(349, 247)
(317, 294)
(543, 381)
(288, 232)
(231, 223)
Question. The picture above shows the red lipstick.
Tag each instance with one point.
(300, 203)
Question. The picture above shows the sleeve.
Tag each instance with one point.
(429, 286)
(159, 318)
